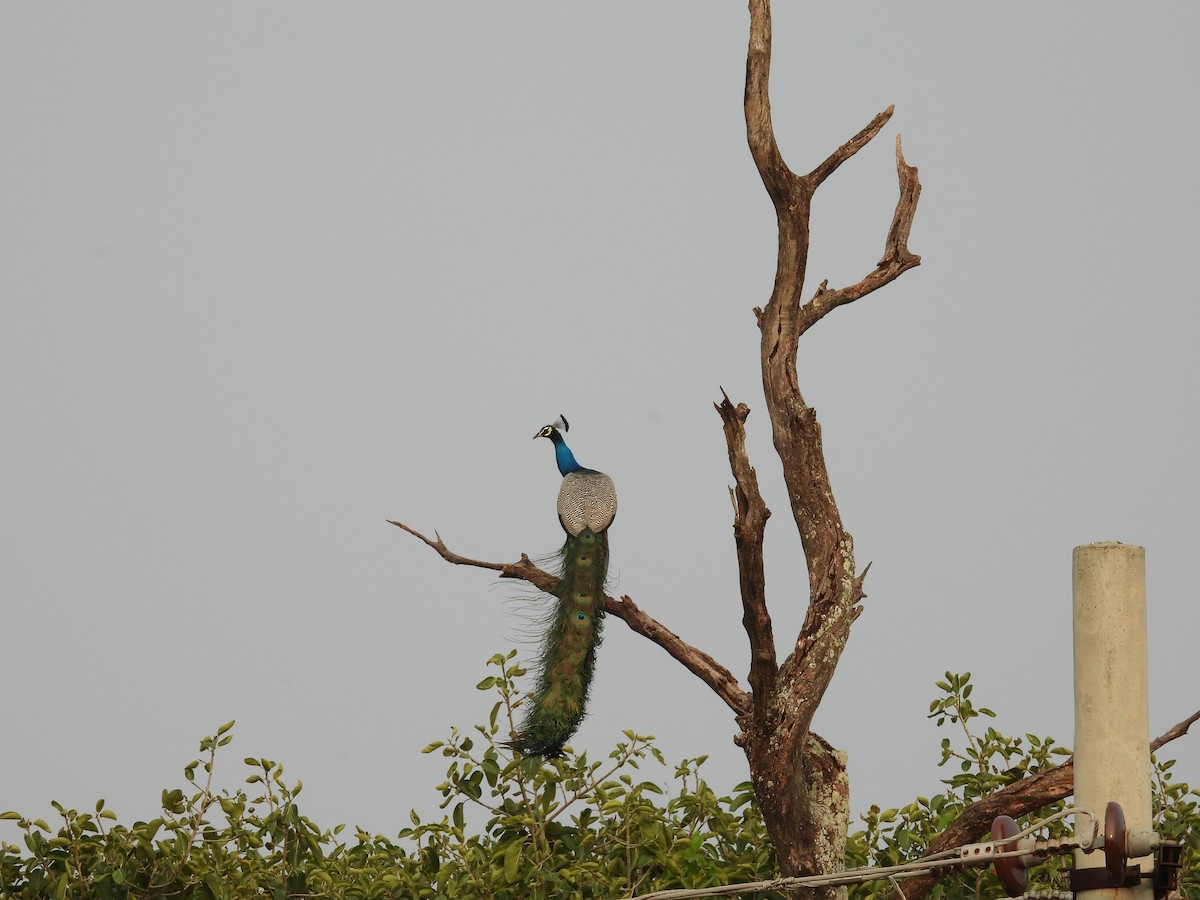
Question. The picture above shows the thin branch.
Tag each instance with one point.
(722, 682)
(716, 676)
(749, 524)
(523, 569)
(848, 149)
(1175, 731)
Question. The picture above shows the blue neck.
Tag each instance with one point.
(563, 455)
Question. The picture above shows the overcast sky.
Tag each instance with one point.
(273, 273)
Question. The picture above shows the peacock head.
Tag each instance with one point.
(562, 453)
(552, 431)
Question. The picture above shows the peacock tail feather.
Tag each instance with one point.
(568, 654)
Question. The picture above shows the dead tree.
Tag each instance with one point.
(799, 779)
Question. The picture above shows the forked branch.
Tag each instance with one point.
(896, 260)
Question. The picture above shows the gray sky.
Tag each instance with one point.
(273, 273)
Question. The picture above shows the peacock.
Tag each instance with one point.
(587, 505)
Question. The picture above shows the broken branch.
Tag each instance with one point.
(749, 524)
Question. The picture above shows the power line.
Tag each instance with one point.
(968, 854)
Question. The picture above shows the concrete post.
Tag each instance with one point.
(1112, 710)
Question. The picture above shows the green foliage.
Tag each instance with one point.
(574, 827)
(1177, 818)
(986, 762)
(578, 827)
(514, 828)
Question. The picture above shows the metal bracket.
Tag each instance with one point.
(1098, 879)
(1166, 869)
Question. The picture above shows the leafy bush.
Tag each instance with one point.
(570, 828)
(574, 827)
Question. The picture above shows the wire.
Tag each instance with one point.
(926, 865)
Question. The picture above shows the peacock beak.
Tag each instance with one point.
(538, 435)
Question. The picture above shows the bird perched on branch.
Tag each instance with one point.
(587, 505)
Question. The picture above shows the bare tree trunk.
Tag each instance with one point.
(801, 784)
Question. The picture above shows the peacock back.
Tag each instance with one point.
(587, 499)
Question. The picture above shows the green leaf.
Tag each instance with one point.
(429, 748)
(224, 728)
(548, 796)
(11, 815)
(172, 801)
(213, 883)
(512, 860)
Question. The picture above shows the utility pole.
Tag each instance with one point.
(1112, 708)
